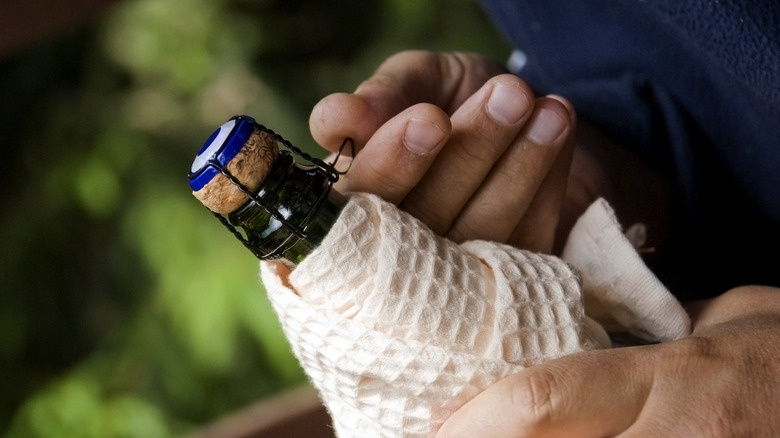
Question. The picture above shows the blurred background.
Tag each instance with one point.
(126, 310)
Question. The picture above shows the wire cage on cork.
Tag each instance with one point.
(224, 147)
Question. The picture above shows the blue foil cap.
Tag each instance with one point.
(221, 147)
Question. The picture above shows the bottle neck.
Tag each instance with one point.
(296, 209)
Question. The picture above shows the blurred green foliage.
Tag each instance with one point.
(126, 310)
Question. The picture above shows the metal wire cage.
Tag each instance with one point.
(301, 157)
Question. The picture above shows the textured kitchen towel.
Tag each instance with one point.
(397, 327)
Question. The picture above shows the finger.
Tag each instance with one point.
(403, 80)
(482, 129)
(593, 394)
(537, 230)
(342, 115)
(398, 154)
(511, 190)
(415, 76)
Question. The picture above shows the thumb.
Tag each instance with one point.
(592, 394)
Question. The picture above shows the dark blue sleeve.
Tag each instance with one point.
(692, 87)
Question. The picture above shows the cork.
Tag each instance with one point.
(250, 166)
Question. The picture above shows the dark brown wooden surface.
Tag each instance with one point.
(297, 413)
(25, 22)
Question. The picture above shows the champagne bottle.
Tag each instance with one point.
(278, 208)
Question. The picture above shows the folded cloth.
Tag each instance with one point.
(397, 327)
(621, 293)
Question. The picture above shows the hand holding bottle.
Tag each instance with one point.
(670, 389)
(382, 291)
(458, 144)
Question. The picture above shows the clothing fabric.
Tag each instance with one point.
(398, 327)
(693, 88)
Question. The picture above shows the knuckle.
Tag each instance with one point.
(462, 231)
(484, 154)
(693, 352)
(426, 213)
(720, 408)
(386, 181)
(716, 422)
(532, 398)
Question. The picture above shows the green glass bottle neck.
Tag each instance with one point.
(304, 209)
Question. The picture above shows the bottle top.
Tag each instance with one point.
(237, 149)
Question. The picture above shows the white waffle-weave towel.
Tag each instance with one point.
(397, 327)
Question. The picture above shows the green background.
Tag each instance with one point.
(126, 310)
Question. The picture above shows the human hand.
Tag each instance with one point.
(468, 150)
(722, 381)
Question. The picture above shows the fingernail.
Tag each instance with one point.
(507, 104)
(422, 136)
(546, 126)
